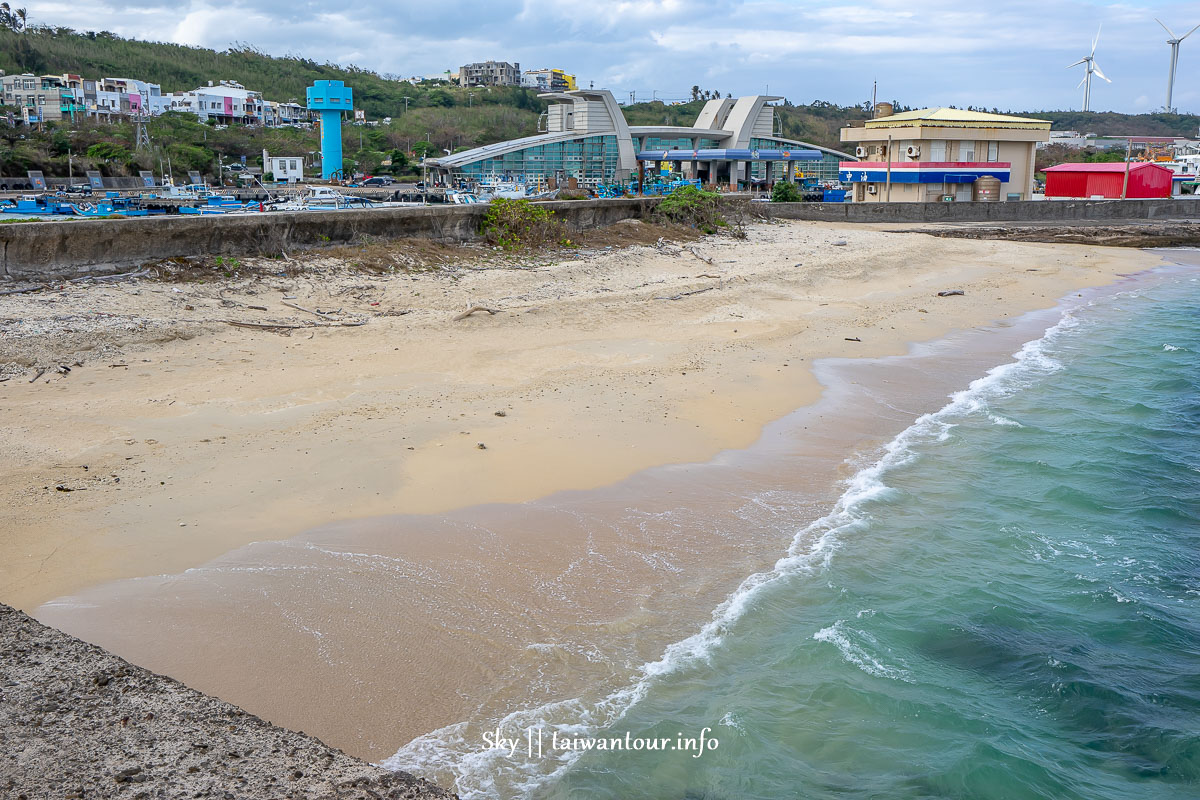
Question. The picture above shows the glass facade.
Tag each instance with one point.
(682, 143)
(591, 160)
(826, 169)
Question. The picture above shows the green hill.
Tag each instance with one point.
(445, 116)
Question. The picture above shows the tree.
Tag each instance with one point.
(423, 149)
(784, 192)
(400, 162)
(695, 92)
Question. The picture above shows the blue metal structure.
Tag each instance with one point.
(729, 155)
(330, 99)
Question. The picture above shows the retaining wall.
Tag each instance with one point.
(66, 249)
(1021, 211)
(71, 248)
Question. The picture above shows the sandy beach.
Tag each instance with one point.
(181, 439)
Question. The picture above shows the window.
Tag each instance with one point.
(294, 165)
(937, 150)
(966, 151)
(993, 151)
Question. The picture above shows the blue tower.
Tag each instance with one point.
(330, 98)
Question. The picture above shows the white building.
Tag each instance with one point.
(226, 102)
(285, 169)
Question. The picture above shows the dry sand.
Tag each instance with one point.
(209, 437)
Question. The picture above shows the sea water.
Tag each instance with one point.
(1005, 605)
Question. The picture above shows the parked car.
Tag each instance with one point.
(79, 188)
(379, 180)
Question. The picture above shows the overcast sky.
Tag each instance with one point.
(1011, 54)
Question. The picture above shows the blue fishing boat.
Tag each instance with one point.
(39, 205)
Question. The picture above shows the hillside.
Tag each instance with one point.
(179, 68)
(437, 116)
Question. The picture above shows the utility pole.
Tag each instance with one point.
(888, 193)
(406, 99)
(142, 138)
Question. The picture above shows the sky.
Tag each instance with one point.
(1008, 54)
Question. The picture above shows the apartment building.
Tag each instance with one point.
(226, 102)
(490, 73)
(43, 98)
(548, 80)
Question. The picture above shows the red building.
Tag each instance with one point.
(1107, 179)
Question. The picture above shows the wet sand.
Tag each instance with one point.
(373, 632)
(210, 437)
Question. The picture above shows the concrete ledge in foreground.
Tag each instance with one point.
(78, 722)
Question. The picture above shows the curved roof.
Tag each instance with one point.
(512, 145)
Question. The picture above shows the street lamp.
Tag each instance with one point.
(406, 99)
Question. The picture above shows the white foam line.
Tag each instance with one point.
(482, 773)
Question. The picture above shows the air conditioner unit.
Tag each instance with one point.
(872, 189)
(860, 151)
(913, 150)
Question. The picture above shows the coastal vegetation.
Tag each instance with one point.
(519, 224)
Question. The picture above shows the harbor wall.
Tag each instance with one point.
(68, 249)
(1016, 211)
(73, 248)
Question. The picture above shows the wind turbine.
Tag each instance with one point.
(1174, 42)
(1092, 66)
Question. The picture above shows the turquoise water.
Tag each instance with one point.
(1006, 605)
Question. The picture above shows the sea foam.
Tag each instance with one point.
(489, 773)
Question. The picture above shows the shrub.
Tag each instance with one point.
(514, 224)
(785, 192)
(107, 151)
(695, 207)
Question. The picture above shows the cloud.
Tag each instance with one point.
(923, 52)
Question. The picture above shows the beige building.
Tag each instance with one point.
(942, 154)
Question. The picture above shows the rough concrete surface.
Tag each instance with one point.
(68, 248)
(1179, 233)
(78, 722)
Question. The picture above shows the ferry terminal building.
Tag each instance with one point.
(732, 143)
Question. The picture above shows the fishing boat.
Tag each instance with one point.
(114, 205)
(491, 187)
(39, 205)
(220, 204)
(323, 198)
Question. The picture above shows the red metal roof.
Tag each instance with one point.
(1105, 166)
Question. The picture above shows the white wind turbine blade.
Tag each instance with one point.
(1189, 33)
(1096, 41)
(1165, 28)
(1077, 63)
(1082, 81)
(1096, 69)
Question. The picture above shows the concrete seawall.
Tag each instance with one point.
(65, 249)
(1023, 211)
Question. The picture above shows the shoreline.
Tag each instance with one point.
(240, 595)
(588, 360)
